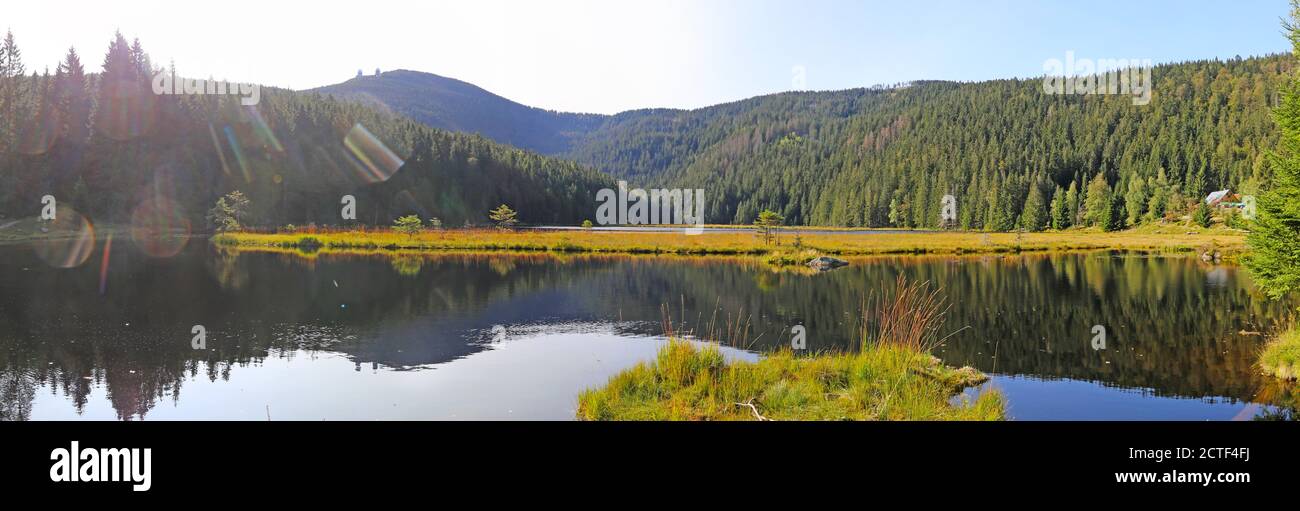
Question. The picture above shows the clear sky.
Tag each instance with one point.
(611, 55)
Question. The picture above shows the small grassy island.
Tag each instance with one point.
(882, 382)
(891, 377)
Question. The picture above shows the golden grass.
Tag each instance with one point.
(741, 242)
(882, 382)
(1281, 357)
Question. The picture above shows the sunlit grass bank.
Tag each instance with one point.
(891, 377)
(789, 251)
(883, 382)
(1281, 357)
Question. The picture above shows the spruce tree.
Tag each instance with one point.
(1097, 206)
(1034, 217)
(72, 98)
(1060, 210)
(1274, 240)
(1073, 204)
(12, 89)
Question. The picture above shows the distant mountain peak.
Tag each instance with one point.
(455, 105)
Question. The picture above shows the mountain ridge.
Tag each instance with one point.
(464, 107)
(885, 156)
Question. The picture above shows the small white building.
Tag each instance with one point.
(1215, 198)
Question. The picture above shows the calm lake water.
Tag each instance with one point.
(518, 337)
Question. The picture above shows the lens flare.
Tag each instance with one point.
(221, 152)
(373, 160)
(263, 132)
(159, 227)
(66, 241)
(103, 264)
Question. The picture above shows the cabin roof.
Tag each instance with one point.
(1217, 196)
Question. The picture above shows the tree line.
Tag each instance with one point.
(1013, 156)
(104, 144)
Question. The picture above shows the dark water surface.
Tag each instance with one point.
(501, 337)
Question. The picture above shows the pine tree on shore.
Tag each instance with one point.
(1275, 238)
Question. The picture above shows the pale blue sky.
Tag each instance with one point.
(611, 55)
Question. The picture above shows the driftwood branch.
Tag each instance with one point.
(752, 408)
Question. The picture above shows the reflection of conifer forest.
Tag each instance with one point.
(1176, 326)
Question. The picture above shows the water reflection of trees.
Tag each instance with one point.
(59, 333)
(1173, 323)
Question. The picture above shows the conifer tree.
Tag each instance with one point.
(72, 99)
(1097, 205)
(1034, 217)
(1060, 210)
(1274, 240)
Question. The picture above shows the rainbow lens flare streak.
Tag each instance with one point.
(372, 158)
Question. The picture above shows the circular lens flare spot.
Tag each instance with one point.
(66, 241)
(159, 227)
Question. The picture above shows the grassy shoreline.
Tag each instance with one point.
(1281, 357)
(739, 243)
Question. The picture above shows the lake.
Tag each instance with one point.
(454, 336)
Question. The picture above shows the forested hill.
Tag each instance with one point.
(885, 157)
(106, 146)
(454, 105)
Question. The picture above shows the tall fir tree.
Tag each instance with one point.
(72, 99)
(1034, 218)
(1074, 204)
(13, 90)
(1274, 240)
(1097, 205)
(1060, 210)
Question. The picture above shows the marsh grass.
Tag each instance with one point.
(738, 243)
(1281, 357)
(910, 318)
(890, 378)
